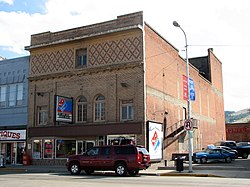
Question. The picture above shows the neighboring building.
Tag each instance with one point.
(239, 132)
(13, 108)
(102, 83)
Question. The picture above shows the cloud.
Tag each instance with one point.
(221, 25)
(10, 2)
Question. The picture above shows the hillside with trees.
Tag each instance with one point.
(242, 116)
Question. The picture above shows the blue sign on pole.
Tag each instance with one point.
(191, 90)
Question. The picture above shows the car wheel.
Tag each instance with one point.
(228, 159)
(121, 169)
(203, 160)
(75, 169)
(133, 172)
(245, 155)
(89, 171)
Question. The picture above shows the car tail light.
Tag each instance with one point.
(139, 157)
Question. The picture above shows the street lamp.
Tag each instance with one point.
(190, 135)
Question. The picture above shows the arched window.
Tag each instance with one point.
(100, 108)
(81, 105)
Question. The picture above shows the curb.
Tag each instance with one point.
(205, 168)
(13, 169)
(190, 175)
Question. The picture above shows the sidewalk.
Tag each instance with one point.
(157, 169)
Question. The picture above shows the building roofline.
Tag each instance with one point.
(161, 36)
(122, 23)
(83, 37)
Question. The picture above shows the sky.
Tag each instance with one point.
(223, 25)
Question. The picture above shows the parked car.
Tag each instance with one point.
(122, 159)
(216, 154)
(243, 151)
(243, 143)
(229, 149)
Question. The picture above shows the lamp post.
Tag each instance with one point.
(190, 132)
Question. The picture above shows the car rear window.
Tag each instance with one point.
(143, 150)
(125, 150)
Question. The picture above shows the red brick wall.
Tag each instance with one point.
(164, 70)
(238, 132)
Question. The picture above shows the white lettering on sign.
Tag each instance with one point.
(12, 134)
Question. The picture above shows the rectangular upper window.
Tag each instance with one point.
(81, 57)
(3, 93)
(42, 115)
(11, 95)
(127, 110)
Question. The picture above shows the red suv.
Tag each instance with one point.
(122, 159)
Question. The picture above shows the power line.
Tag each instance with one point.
(219, 45)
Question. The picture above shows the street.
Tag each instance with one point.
(235, 174)
(67, 180)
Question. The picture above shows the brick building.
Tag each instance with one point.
(102, 83)
(239, 132)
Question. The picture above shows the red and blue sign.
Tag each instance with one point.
(155, 140)
(191, 88)
(64, 109)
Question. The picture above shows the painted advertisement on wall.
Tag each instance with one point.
(64, 109)
(155, 140)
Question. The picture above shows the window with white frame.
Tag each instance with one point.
(11, 95)
(48, 148)
(81, 109)
(100, 108)
(19, 97)
(3, 93)
(127, 110)
(37, 149)
(42, 115)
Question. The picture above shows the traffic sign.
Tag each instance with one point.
(188, 125)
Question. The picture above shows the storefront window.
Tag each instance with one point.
(48, 148)
(37, 149)
(64, 148)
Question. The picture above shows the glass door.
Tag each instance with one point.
(83, 146)
(8, 153)
(80, 147)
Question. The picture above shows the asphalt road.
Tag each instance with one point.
(66, 180)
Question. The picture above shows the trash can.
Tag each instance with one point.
(179, 163)
(1, 162)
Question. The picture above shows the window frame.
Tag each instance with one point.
(43, 110)
(19, 95)
(44, 148)
(99, 108)
(81, 57)
(11, 95)
(128, 105)
(40, 142)
(3, 95)
(81, 102)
